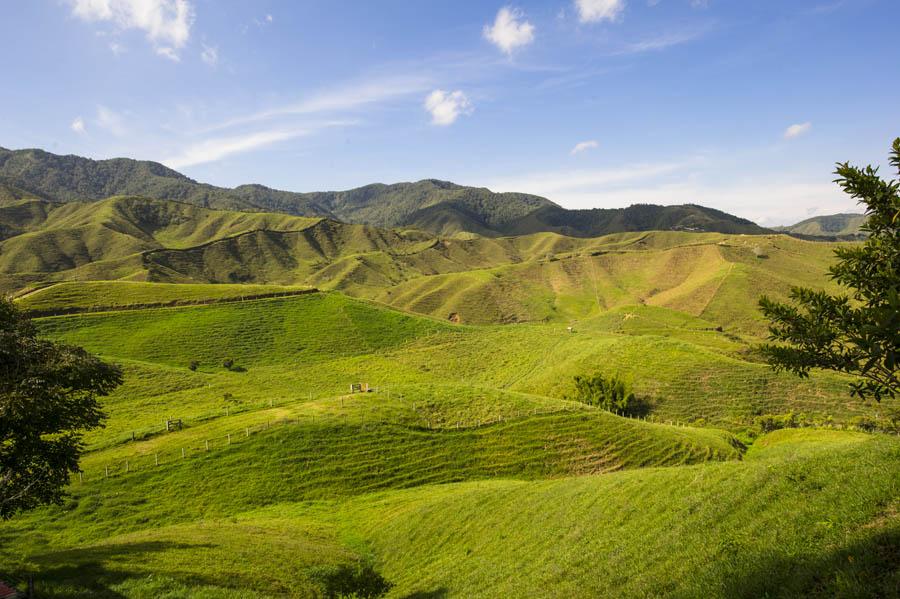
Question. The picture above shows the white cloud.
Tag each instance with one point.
(78, 125)
(594, 11)
(210, 55)
(445, 107)
(797, 130)
(660, 42)
(167, 23)
(584, 145)
(211, 150)
(112, 121)
(116, 48)
(269, 19)
(167, 52)
(509, 31)
(349, 97)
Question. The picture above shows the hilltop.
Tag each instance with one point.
(832, 226)
(439, 207)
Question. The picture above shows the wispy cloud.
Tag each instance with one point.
(583, 187)
(595, 11)
(111, 121)
(446, 107)
(797, 130)
(78, 125)
(167, 23)
(167, 52)
(583, 146)
(349, 97)
(660, 42)
(211, 150)
(510, 30)
(210, 55)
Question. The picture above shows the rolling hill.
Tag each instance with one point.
(439, 207)
(537, 277)
(464, 461)
(833, 226)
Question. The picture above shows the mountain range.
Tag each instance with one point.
(435, 206)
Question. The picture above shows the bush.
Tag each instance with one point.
(864, 423)
(606, 393)
(359, 579)
(773, 422)
(228, 364)
(194, 365)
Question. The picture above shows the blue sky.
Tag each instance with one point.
(740, 105)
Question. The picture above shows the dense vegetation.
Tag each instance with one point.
(48, 399)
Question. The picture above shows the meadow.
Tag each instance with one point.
(467, 469)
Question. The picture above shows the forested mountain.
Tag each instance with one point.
(439, 207)
(835, 226)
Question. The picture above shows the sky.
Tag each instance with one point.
(744, 106)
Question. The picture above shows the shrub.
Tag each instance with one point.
(228, 364)
(194, 365)
(359, 579)
(610, 393)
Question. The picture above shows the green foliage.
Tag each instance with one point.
(48, 397)
(857, 334)
(356, 580)
(193, 365)
(606, 393)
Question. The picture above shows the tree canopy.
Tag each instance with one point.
(48, 398)
(857, 333)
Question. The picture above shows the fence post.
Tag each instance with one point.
(156, 459)
(126, 466)
(182, 452)
(207, 445)
(107, 471)
(132, 435)
(80, 476)
(229, 438)
(247, 430)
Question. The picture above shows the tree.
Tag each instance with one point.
(48, 398)
(859, 333)
(610, 394)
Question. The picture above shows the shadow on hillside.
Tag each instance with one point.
(435, 594)
(93, 571)
(869, 568)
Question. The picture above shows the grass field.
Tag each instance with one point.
(467, 470)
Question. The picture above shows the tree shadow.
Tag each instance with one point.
(440, 593)
(866, 568)
(93, 571)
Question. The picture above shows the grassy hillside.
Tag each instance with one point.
(539, 277)
(840, 226)
(465, 461)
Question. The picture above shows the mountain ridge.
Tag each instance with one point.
(433, 205)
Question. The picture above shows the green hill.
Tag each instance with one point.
(439, 207)
(538, 277)
(834, 226)
(466, 461)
